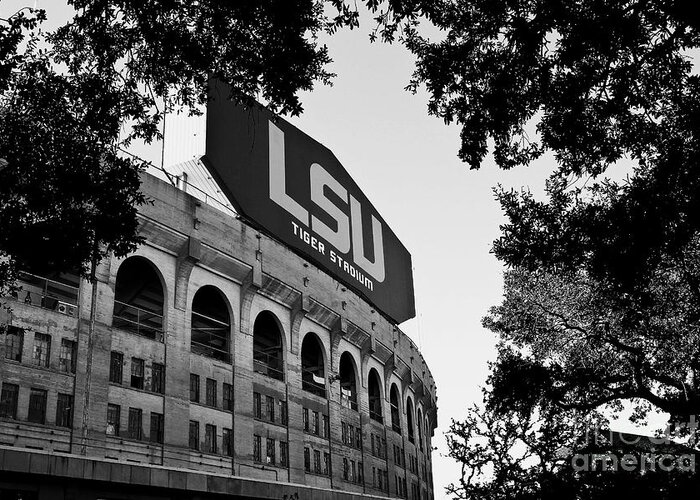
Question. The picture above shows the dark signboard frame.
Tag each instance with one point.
(295, 189)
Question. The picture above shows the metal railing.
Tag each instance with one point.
(139, 321)
(348, 402)
(207, 333)
(310, 384)
(50, 294)
(268, 364)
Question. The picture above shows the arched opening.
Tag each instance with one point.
(375, 396)
(395, 413)
(409, 419)
(138, 299)
(313, 378)
(211, 324)
(420, 429)
(267, 346)
(348, 387)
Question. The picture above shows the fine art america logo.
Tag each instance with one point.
(348, 234)
(664, 453)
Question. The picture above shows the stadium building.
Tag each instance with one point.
(228, 355)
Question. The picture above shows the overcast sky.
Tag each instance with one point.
(406, 163)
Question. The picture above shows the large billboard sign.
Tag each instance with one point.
(296, 189)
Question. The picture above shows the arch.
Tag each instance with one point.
(395, 411)
(268, 356)
(313, 374)
(348, 381)
(211, 324)
(374, 391)
(409, 419)
(139, 300)
(420, 429)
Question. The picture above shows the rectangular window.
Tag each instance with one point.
(317, 461)
(8, 400)
(283, 412)
(257, 405)
(360, 472)
(14, 340)
(284, 454)
(37, 406)
(194, 388)
(210, 438)
(228, 397)
(116, 363)
(269, 408)
(270, 451)
(346, 468)
(157, 427)
(211, 392)
(306, 419)
(344, 432)
(135, 428)
(64, 410)
(257, 448)
(373, 450)
(226, 442)
(113, 418)
(137, 373)
(42, 349)
(194, 435)
(326, 429)
(315, 423)
(326, 463)
(158, 378)
(358, 438)
(66, 356)
(307, 459)
(351, 435)
(353, 477)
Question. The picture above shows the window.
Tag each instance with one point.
(227, 442)
(14, 340)
(353, 476)
(37, 406)
(116, 363)
(315, 423)
(228, 397)
(351, 436)
(211, 392)
(8, 400)
(325, 430)
(257, 448)
(283, 412)
(348, 389)
(284, 454)
(307, 459)
(138, 299)
(346, 468)
(267, 346)
(135, 429)
(395, 413)
(113, 417)
(317, 461)
(257, 405)
(194, 388)
(64, 410)
(210, 324)
(194, 435)
(358, 438)
(137, 373)
(42, 349)
(66, 356)
(210, 438)
(312, 367)
(326, 463)
(375, 397)
(270, 408)
(306, 419)
(157, 427)
(360, 472)
(158, 378)
(409, 419)
(344, 432)
(270, 451)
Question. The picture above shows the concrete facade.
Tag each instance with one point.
(190, 245)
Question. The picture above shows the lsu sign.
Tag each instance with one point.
(295, 189)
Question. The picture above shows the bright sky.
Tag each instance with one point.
(406, 163)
